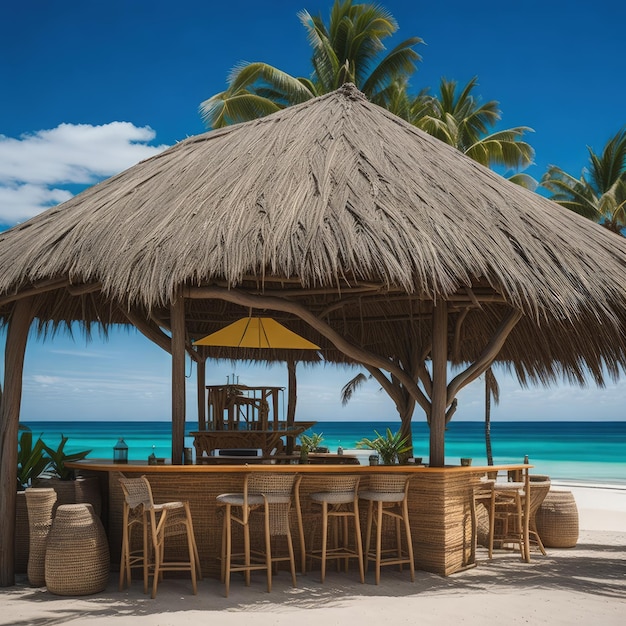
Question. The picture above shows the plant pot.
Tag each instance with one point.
(82, 490)
(22, 533)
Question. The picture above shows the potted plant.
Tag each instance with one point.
(31, 460)
(390, 446)
(309, 443)
(59, 457)
(69, 488)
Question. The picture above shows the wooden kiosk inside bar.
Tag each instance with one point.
(240, 416)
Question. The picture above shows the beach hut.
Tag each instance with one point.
(354, 229)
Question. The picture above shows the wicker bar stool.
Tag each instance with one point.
(157, 523)
(40, 503)
(484, 495)
(515, 511)
(538, 491)
(77, 557)
(509, 517)
(340, 503)
(389, 493)
(269, 495)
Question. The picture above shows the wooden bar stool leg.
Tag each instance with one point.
(292, 560)
(227, 548)
(379, 535)
(368, 532)
(268, 547)
(409, 539)
(359, 541)
(147, 550)
(324, 539)
(246, 552)
(398, 541)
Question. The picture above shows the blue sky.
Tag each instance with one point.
(90, 88)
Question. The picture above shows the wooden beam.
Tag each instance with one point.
(457, 334)
(393, 391)
(201, 391)
(439, 386)
(151, 330)
(354, 352)
(81, 290)
(36, 289)
(15, 348)
(487, 356)
(177, 313)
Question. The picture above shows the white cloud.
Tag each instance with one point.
(21, 202)
(35, 167)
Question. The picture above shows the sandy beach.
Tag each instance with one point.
(581, 585)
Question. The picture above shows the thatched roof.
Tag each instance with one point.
(343, 207)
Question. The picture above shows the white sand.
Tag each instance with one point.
(581, 585)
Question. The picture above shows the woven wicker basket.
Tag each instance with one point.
(22, 534)
(77, 558)
(557, 520)
(40, 503)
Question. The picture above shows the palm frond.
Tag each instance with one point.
(349, 389)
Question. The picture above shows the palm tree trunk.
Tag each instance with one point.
(488, 423)
(492, 390)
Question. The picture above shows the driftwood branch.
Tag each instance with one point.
(151, 330)
(457, 333)
(487, 356)
(278, 304)
(451, 410)
(392, 390)
(37, 289)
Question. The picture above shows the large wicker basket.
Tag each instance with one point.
(77, 558)
(557, 520)
(40, 504)
(22, 533)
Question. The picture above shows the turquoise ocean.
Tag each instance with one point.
(580, 452)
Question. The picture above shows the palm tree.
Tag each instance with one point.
(458, 118)
(350, 49)
(492, 391)
(600, 192)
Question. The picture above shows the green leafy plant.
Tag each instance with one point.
(311, 442)
(390, 446)
(31, 460)
(58, 458)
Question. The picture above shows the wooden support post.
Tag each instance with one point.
(15, 348)
(292, 398)
(202, 404)
(178, 379)
(440, 384)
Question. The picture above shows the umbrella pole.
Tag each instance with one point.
(291, 401)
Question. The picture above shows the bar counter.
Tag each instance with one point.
(440, 503)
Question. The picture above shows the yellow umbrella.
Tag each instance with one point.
(256, 332)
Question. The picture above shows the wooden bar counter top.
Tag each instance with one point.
(440, 502)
